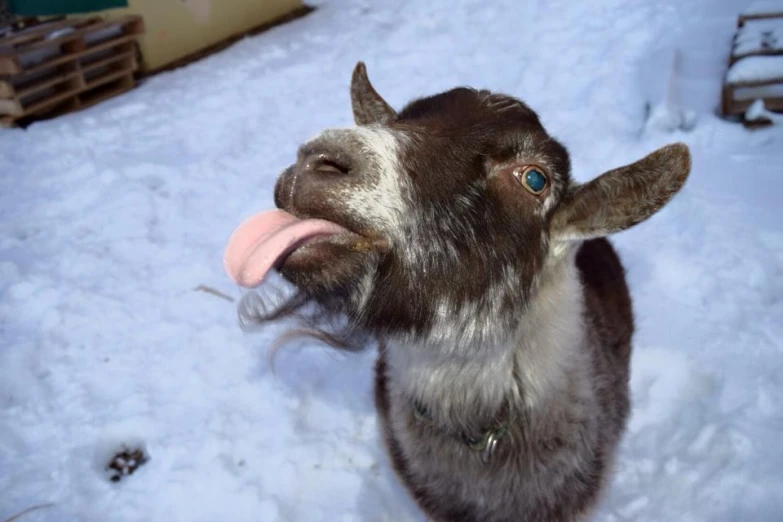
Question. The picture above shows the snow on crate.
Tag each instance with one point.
(758, 115)
(755, 69)
(762, 36)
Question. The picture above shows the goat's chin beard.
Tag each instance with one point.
(330, 279)
(328, 269)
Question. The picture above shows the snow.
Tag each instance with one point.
(111, 217)
(759, 35)
(762, 7)
(758, 112)
(756, 69)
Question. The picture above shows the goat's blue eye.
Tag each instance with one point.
(535, 181)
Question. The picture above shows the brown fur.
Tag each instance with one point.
(368, 106)
(649, 184)
(499, 307)
(609, 313)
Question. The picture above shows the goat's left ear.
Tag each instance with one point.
(623, 197)
(368, 106)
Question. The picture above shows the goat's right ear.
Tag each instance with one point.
(368, 106)
(623, 197)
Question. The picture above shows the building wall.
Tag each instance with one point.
(178, 28)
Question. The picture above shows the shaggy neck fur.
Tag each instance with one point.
(539, 362)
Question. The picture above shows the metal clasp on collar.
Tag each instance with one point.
(492, 442)
(488, 442)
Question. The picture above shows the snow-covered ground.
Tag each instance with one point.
(110, 218)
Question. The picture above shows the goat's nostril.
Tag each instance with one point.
(324, 164)
(327, 167)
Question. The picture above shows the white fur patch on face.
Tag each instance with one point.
(380, 199)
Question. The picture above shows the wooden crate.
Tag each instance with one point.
(735, 102)
(66, 65)
(758, 36)
(755, 65)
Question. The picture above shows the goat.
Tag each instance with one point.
(453, 234)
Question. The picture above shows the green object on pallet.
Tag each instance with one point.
(60, 7)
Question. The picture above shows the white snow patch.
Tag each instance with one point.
(669, 118)
(756, 69)
(759, 35)
(758, 112)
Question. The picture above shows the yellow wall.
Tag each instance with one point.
(177, 28)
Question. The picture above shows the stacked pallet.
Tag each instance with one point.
(66, 65)
(756, 63)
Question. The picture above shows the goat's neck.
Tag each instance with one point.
(533, 368)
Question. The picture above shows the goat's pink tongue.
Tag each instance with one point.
(263, 239)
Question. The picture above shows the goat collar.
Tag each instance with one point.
(484, 443)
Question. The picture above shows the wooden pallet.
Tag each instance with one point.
(37, 32)
(759, 37)
(738, 96)
(94, 61)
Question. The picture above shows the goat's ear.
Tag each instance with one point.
(623, 197)
(368, 106)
